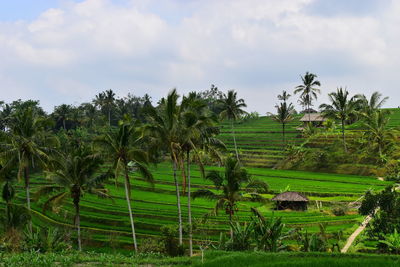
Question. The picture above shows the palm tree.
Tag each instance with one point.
(376, 130)
(374, 103)
(73, 175)
(124, 148)
(308, 90)
(230, 183)
(284, 96)
(165, 127)
(232, 110)
(283, 116)
(106, 101)
(198, 134)
(342, 108)
(28, 144)
(62, 113)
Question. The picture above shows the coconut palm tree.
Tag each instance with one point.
(308, 90)
(165, 128)
(124, 147)
(342, 108)
(232, 109)
(284, 96)
(231, 182)
(73, 175)
(377, 132)
(368, 106)
(106, 101)
(284, 115)
(62, 113)
(198, 134)
(28, 144)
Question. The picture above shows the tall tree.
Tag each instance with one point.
(368, 106)
(62, 113)
(165, 127)
(308, 90)
(284, 115)
(231, 182)
(198, 134)
(124, 147)
(73, 175)
(106, 101)
(28, 144)
(377, 132)
(342, 108)
(232, 109)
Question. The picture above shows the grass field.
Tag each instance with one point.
(154, 206)
(212, 258)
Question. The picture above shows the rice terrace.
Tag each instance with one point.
(290, 168)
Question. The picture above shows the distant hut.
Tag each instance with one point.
(291, 200)
(316, 119)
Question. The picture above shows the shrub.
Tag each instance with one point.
(151, 245)
(339, 210)
(171, 244)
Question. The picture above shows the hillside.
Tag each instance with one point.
(260, 141)
(107, 219)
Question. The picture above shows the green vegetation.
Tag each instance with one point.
(178, 175)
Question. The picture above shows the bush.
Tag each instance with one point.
(339, 211)
(171, 244)
(151, 245)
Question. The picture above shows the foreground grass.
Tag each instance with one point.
(212, 258)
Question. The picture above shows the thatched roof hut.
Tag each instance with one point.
(290, 200)
(313, 117)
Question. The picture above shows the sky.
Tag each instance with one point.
(67, 51)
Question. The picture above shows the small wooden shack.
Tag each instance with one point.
(316, 119)
(291, 200)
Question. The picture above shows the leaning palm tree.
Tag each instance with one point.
(124, 148)
(28, 144)
(284, 115)
(165, 129)
(232, 109)
(231, 183)
(73, 175)
(308, 90)
(342, 108)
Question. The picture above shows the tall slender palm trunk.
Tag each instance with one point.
(234, 141)
(178, 204)
(109, 117)
(128, 201)
(78, 221)
(230, 222)
(28, 196)
(283, 134)
(189, 207)
(344, 137)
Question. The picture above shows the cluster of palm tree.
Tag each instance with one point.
(182, 130)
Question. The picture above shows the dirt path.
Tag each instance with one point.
(354, 235)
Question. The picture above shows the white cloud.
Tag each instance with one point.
(257, 47)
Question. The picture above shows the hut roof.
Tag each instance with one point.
(290, 196)
(313, 117)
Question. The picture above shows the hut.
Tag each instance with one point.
(290, 200)
(316, 119)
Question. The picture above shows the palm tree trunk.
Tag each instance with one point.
(344, 137)
(28, 196)
(283, 134)
(78, 221)
(178, 204)
(64, 124)
(230, 222)
(128, 201)
(234, 140)
(109, 116)
(189, 208)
